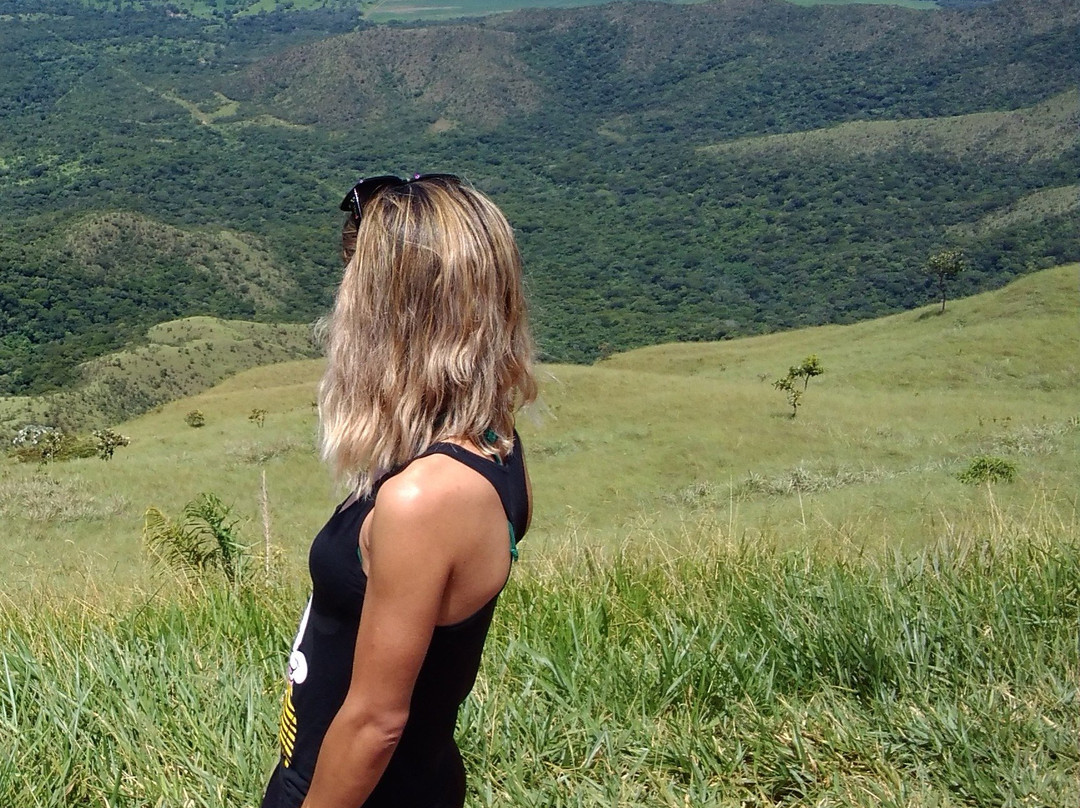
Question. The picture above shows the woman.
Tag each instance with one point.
(429, 356)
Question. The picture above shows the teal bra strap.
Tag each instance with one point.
(491, 436)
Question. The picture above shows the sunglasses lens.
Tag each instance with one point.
(444, 177)
(355, 200)
(364, 190)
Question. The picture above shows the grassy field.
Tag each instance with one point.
(719, 605)
(410, 10)
(917, 4)
(1061, 201)
(669, 441)
(385, 10)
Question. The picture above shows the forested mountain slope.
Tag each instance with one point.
(154, 165)
(722, 68)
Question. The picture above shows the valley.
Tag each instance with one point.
(858, 589)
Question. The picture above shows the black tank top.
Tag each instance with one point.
(425, 770)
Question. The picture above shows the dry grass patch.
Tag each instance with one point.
(259, 452)
(41, 497)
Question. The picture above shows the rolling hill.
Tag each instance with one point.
(668, 444)
(173, 360)
(655, 60)
(1042, 132)
(117, 242)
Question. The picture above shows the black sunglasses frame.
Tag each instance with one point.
(361, 193)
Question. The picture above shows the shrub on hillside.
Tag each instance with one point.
(42, 444)
(202, 543)
(108, 442)
(805, 371)
(988, 469)
(195, 418)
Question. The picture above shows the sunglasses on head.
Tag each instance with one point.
(366, 188)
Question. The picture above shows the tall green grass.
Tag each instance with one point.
(738, 674)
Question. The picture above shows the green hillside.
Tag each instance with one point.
(110, 243)
(1036, 206)
(665, 445)
(652, 157)
(904, 403)
(173, 359)
(1042, 132)
(383, 10)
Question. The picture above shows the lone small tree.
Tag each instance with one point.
(944, 265)
(810, 367)
(794, 394)
(806, 370)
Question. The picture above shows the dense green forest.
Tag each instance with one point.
(155, 164)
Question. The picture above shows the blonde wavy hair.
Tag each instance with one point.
(428, 339)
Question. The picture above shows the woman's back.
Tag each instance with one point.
(428, 358)
(425, 769)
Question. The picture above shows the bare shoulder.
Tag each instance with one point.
(439, 527)
(436, 492)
